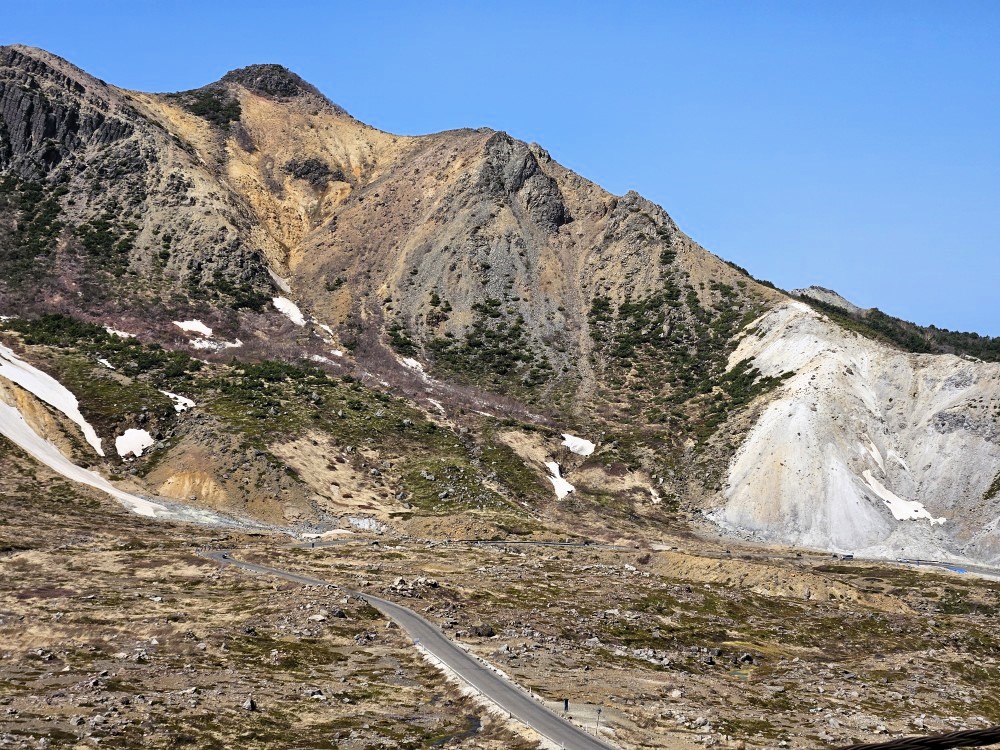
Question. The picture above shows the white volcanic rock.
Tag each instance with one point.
(828, 296)
(865, 449)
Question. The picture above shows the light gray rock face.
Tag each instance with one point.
(865, 449)
(829, 297)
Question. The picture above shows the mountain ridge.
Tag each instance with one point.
(466, 271)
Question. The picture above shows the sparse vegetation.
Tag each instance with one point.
(128, 355)
(213, 103)
(911, 337)
(106, 244)
(669, 345)
(317, 173)
(993, 490)
(30, 224)
(496, 349)
(241, 296)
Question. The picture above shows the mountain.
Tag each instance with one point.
(448, 306)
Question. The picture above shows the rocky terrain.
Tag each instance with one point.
(118, 634)
(472, 274)
(234, 316)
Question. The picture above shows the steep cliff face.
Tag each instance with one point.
(476, 275)
(106, 210)
(47, 113)
(866, 449)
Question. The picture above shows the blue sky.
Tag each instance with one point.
(848, 144)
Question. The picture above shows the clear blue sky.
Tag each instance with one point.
(854, 145)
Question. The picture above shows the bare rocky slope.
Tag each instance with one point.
(469, 273)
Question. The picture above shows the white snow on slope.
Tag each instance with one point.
(180, 402)
(215, 346)
(899, 459)
(579, 446)
(133, 443)
(119, 334)
(561, 486)
(105, 363)
(876, 454)
(194, 326)
(290, 310)
(902, 510)
(15, 429)
(412, 364)
(281, 283)
(49, 390)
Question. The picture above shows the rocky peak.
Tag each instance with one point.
(829, 297)
(24, 63)
(48, 107)
(512, 170)
(275, 82)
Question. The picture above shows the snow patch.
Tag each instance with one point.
(49, 390)
(15, 429)
(133, 442)
(215, 346)
(902, 510)
(324, 327)
(560, 485)
(279, 282)
(898, 459)
(412, 364)
(577, 445)
(876, 454)
(336, 353)
(180, 402)
(290, 310)
(105, 363)
(120, 334)
(194, 326)
(366, 524)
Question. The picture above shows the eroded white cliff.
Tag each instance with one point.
(866, 449)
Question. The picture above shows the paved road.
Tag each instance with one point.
(976, 570)
(502, 692)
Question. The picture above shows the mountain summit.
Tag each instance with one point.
(271, 80)
(505, 296)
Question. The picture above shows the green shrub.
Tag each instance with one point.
(213, 103)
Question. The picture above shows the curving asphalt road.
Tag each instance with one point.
(502, 692)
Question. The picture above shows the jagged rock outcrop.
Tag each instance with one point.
(47, 113)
